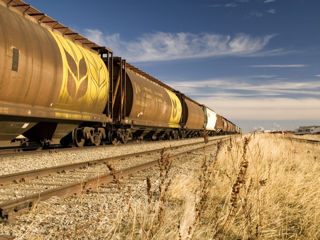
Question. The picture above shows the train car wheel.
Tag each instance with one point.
(115, 141)
(77, 137)
(122, 136)
(97, 140)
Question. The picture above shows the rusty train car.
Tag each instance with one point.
(56, 84)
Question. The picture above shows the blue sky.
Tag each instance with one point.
(254, 61)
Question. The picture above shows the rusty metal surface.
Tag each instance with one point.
(231, 127)
(25, 112)
(37, 16)
(151, 102)
(40, 64)
(219, 123)
(151, 78)
(43, 74)
(225, 124)
(195, 119)
(67, 190)
(146, 75)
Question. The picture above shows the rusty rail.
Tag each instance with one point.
(18, 150)
(76, 188)
(32, 174)
(304, 140)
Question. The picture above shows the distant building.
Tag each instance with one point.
(307, 130)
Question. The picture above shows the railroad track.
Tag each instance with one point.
(304, 140)
(18, 150)
(43, 159)
(24, 189)
(24, 176)
(9, 150)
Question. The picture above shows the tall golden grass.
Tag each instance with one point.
(258, 187)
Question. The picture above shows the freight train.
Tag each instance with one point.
(56, 84)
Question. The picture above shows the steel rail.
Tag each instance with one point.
(28, 202)
(18, 150)
(21, 177)
(304, 140)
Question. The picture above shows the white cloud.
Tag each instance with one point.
(95, 35)
(272, 52)
(280, 66)
(161, 46)
(264, 76)
(269, 1)
(245, 98)
(264, 108)
(317, 75)
(232, 5)
(271, 11)
(242, 84)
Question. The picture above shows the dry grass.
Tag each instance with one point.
(259, 187)
(255, 187)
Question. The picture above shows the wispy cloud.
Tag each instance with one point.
(161, 46)
(317, 75)
(247, 98)
(264, 108)
(232, 5)
(228, 5)
(264, 76)
(249, 85)
(269, 1)
(280, 66)
(272, 11)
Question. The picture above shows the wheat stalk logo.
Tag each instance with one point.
(77, 77)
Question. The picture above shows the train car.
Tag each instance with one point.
(224, 126)
(143, 107)
(229, 127)
(193, 117)
(50, 82)
(210, 121)
(219, 123)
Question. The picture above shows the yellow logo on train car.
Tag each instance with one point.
(176, 109)
(85, 84)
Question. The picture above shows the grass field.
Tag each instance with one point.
(259, 186)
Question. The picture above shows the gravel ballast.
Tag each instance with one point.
(93, 215)
(20, 162)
